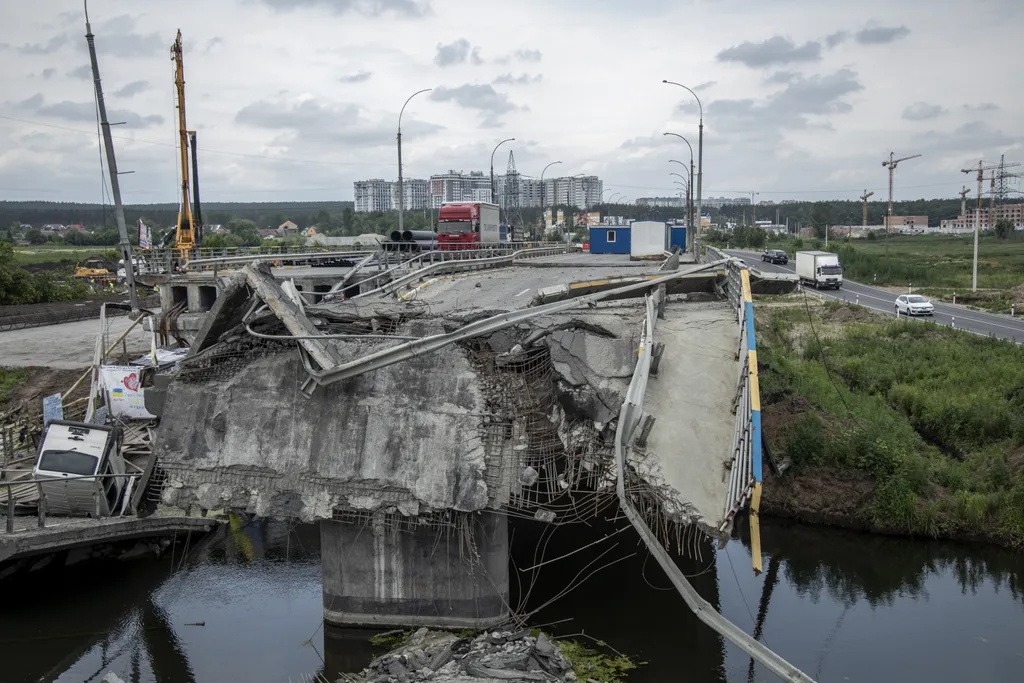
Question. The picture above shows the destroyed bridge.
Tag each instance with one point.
(414, 408)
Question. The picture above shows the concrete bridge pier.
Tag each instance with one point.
(425, 575)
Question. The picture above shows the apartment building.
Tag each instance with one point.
(1013, 212)
(373, 195)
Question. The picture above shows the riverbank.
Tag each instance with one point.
(892, 427)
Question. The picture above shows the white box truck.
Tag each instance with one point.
(820, 269)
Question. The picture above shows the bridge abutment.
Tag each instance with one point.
(383, 574)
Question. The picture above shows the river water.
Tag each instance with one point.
(841, 606)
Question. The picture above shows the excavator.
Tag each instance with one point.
(189, 233)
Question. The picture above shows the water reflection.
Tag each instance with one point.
(841, 606)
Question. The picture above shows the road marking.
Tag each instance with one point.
(523, 292)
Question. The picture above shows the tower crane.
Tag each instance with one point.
(187, 235)
(864, 198)
(891, 165)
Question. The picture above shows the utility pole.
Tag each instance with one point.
(891, 164)
(864, 198)
(108, 144)
(977, 217)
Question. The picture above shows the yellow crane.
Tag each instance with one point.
(185, 236)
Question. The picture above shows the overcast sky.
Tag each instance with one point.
(295, 99)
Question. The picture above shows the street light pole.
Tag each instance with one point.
(494, 198)
(543, 226)
(700, 152)
(401, 192)
(689, 241)
(689, 194)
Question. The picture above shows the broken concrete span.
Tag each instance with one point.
(415, 463)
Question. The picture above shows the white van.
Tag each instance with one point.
(80, 458)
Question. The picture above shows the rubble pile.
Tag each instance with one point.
(493, 657)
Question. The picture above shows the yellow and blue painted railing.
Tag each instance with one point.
(754, 393)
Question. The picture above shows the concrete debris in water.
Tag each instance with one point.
(494, 657)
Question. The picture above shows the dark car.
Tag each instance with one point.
(775, 256)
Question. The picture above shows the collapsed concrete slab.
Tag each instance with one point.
(501, 411)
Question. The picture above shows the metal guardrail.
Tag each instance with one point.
(630, 416)
(482, 258)
(41, 505)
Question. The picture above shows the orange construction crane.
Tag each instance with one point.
(185, 237)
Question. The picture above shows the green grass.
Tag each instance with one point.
(932, 414)
(10, 378)
(59, 253)
(926, 260)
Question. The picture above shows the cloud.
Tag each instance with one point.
(706, 85)
(782, 77)
(975, 139)
(48, 73)
(522, 79)
(129, 45)
(776, 50)
(358, 77)
(880, 35)
(212, 43)
(55, 43)
(791, 107)
(131, 89)
(310, 124)
(67, 110)
(83, 72)
(523, 55)
(922, 111)
(457, 52)
(982, 106)
(371, 8)
(837, 38)
(482, 98)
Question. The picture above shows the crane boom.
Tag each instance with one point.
(891, 165)
(185, 239)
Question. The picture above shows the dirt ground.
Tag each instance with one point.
(27, 397)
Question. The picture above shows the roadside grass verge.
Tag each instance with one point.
(934, 416)
(59, 253)
(943, 261)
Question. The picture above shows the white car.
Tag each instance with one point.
(913, 304)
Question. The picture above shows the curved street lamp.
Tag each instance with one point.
(493, 193)
(689, 208)
(700, 146)
(401, 192)
(542, 189)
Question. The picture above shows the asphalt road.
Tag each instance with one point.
(882, 301)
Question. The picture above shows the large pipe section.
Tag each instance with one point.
(417, 236)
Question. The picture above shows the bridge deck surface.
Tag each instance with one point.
(692, 398)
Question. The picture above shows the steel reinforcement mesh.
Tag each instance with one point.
(540, 463)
